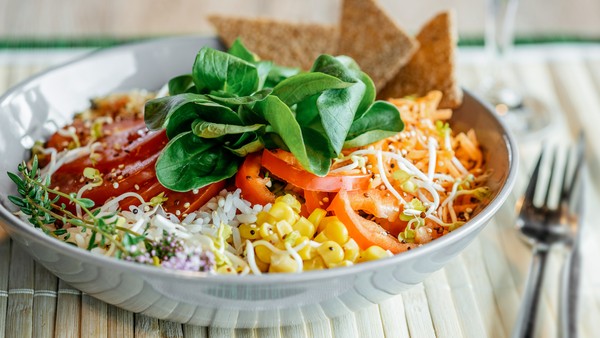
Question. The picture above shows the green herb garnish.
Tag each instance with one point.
(40, 203)
(233, 104)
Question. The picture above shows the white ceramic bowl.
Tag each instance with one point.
(227, 301)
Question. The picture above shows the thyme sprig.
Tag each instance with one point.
(40, 203)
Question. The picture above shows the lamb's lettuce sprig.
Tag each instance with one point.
(233, 104)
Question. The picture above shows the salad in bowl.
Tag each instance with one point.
(280, 197)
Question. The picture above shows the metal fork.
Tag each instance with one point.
(569, 293)
(543, 226)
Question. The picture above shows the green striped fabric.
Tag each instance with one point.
(91, 42)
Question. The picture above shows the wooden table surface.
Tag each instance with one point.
(476, 295)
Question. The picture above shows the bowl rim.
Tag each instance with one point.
(472, 225)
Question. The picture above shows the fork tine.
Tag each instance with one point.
(572, 204)
(564, 188)
(552, 172)
(580, 151)
(530, 191)
(568, 186)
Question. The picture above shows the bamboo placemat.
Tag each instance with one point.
(476, 295)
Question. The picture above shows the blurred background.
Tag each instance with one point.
(97, 22)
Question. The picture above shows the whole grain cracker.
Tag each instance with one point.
(433, 65)
(285, 43)
(374, 40)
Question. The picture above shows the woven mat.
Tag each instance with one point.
(476, 295)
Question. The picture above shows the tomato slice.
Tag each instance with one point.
(254, 187)
(118, 176)
(126, 160)
(60, 142)
(382, 205)
(285, 166)
(122, 146)
(315, 199)
(179, 203)
(366, 233)
(379, 203)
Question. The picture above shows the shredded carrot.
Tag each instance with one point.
(458, 159)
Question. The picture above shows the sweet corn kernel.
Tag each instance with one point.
(301, 239)
(262, 266)
(321, 238)
(263, 253)
(341, 264)
(283, 212)
(307, 252)
(292, 237)
(264, 217)
(351, 250)
(283, 263)
(316, 263)
(305, 227)
(372, 253)
(249, 231)
(336, 231)
(331, 252)
(316, 216)
(326, 221)
(266, 231)
(283, 228)
(280, 245)
(291, 201)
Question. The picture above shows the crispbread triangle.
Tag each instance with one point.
(374, 40)
(432, 66)
(287, 44)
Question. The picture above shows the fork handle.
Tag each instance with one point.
(527, 318)
(569, 294)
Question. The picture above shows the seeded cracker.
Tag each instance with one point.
(374, 40)
(432, 67)
(287, 44)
